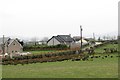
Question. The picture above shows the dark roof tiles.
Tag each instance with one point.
(66, 38)
(63, 38)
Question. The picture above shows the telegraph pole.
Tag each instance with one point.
(94, 36)
(81, 36)
(3, 45)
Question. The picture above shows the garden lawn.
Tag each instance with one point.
(98, 68)
(41, 52)
(45, 51)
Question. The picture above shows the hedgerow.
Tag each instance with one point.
(53, 47)
(61, 56)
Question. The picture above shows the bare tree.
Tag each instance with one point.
(45, 39)
(99, 39)
(104, 37)
(114, 37)
(34, 39)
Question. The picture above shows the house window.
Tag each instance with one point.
(12, 51)
(14, 44)
(15, 51)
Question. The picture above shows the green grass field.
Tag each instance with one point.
(98, 68)
(41, 52)
(0, 71)
(101, 49)
(44, 52)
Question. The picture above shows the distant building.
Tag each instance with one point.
(77, 43)
(78, 40)
(91, 41)
(11, 46)
(42, 42)
(31, 43)
(60, 39)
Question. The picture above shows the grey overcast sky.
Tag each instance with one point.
(45, 18)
